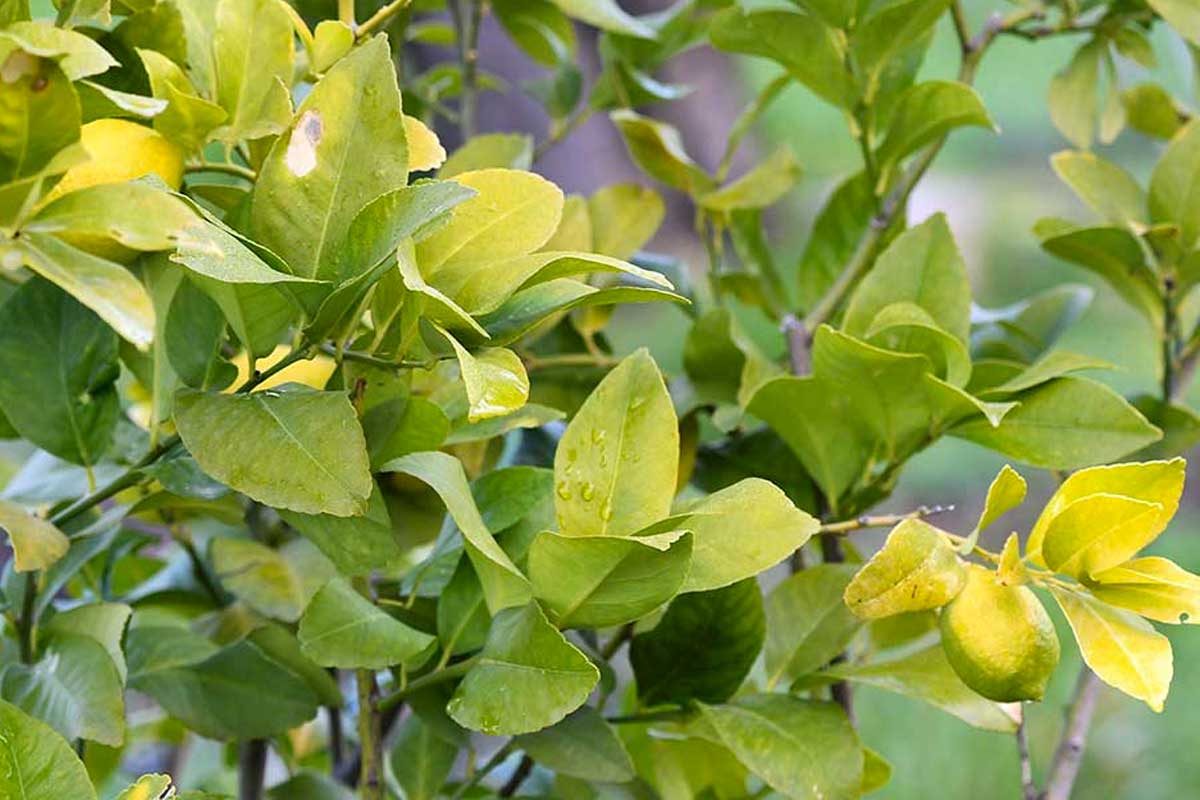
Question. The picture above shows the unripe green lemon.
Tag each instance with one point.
(999, 639)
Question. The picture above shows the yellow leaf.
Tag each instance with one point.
(1006, 493)
(1098, 532)
(425, 151)
(1153, 482)
(1154, 587)
(36, 543)
(1120, 647)
(1011, 571)
(915, 570)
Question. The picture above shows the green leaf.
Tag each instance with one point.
(742, 530)
(1099, 532)
(77, 55)
(808, 623)
(882, 36)
(74, 686)
(1121, 648)
(1171, 199)
(494, 378)
(37, 762)
(922, 266)
(617, 463)
(307, 785)
(1052, 365)
(606, 15)
(503, 583)
(356, 545)
(762, 186)
(135, 215)
(512, 214)
(385, 222)
(702, 648)
(236, 693)
(36, 544)
(801, 43)
(1072, 96)
(1181, 15)
(39, 116)
(491, 150)
(1151, 110)
(539, 28)
(916, 570)
(107, 288)
(188, 118)
(1113, 254)
(528, 677)
(421, 759)
(623, 217)
(1103, 186)
(98, 102)
(1155, 482)
(341, 628)
(1065, 424)
(102, 622)
(1153, 587)
(601, 581)
(1006, 492)
(802, 749)
(925, 113)
(583, 746)
(926, 675)
(262, 577)
(314, 180)
(58, 365)
(298, 450)
(253, 54)
(332, 39)
(819, 426)
(658, 149)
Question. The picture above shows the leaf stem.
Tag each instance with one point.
(668, 715)
(533, 362)
(375, 361)
(226, 168)
(498, 758)
(561, 131)
(518, 777)
(449, 673)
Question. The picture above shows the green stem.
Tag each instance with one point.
(27, 623)
(672, 715)
(498, 758)
(370, 779)
(381, 17)
(882, 521)
(346, 12)
(449, 673)
(466, 26)
(225, 168)
(560, 132)
(375, 361)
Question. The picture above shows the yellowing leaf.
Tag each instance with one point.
(36, 543)
(1098, 532)
(495, 379)
(1011, 571)
(915, 570)
(1006, 493)
(1121, 648)
(513, 213)
(149, 787)
(1154, 587)
(425, 151)
(1152, 481)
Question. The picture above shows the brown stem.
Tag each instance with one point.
(252, 766)
(1028, 787)
(518, 777)
(1068, 756)
(881, 521)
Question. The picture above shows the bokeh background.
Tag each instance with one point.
(993, 187)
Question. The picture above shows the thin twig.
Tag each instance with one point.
(518, 777)
(27, 633)
(252, 767)
(380, 18)
(1028, 787)
(376, 361)
(561, 131)
(498, 758)
(225, 168)
(882, 520)
(1068, 756)
(843, 693)
(370, 775)
(432, 679)
(670, 715)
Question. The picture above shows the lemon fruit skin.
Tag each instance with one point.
(121, 150)
(999, 639)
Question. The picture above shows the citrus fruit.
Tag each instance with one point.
(999, 639)
(121, 150)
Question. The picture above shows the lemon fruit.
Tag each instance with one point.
(999, 639)
(121, 150)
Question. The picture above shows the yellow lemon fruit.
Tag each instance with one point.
(121, 150)
(999, 639)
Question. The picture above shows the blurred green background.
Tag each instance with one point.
(993, 188)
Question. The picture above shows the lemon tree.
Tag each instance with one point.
(334, 448)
